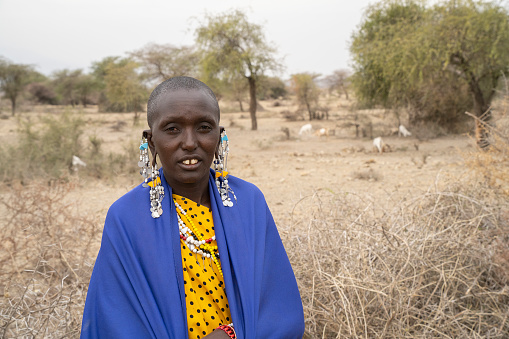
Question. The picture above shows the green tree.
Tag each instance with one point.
(232, 46)
(42, 92)
(159, 62)
(272, 87)
(306, 91)
(13, 80)
(86, 86)
(99, 73)
(66, 85)
(124, 87)
(406, 53)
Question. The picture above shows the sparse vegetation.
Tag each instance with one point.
(415, 262)
(44, 149)
(426, 265)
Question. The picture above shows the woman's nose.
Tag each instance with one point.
(189, 140)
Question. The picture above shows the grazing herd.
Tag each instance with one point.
(378, 143)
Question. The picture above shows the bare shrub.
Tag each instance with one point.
(421, 268)
(44, 149)
(118, 126)
(111, 165)
(46, 258)
(369, 175)
(293, 116)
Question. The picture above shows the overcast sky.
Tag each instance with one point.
(311, 36)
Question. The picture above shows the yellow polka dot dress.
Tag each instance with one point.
(206, 303)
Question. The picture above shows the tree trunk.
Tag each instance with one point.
(136, 117)
(483, 112)
(252, 102)
(309, 111)
(240, 105)
(346, 93)
(13, 105)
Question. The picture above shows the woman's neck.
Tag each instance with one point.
(201, 197)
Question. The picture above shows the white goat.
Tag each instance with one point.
(378, 143)
(77, 162)
(306, 129)
(403, 131)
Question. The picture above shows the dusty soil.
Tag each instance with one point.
(288, 169)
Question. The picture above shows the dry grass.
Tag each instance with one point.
(493, 164)
(46, 260)
(421, 268)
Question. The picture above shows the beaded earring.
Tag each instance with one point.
(220, 166)
(144, 163)
(156, 192)
(147, 170)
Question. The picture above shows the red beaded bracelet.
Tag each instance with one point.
(229, 330)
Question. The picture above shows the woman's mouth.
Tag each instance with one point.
(190, 162)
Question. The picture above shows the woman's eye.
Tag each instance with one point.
(205, 128)
(172, 129)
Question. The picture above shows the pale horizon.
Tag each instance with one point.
(57, 34)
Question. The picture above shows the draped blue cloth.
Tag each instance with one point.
(137, 285)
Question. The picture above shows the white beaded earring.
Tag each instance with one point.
(220, 166)
(147, 170)
(144, 163)
(156, 192)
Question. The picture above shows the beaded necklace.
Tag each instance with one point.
(194, 241)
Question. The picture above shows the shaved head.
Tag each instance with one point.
(173, 85)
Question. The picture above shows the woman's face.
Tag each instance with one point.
(185, 134)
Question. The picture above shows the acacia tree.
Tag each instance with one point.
(306, 91)
(13, 80)
(86, 86)
(406, 53)
(163, 61)
(231, 46)
(124, 87)
(237, 90)
(338, 82)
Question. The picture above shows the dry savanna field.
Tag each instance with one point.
(411, 243)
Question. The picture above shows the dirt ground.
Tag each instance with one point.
(287, 169)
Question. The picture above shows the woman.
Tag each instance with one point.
(193, 252)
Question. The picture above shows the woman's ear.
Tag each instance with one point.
(221, 130)
(148, 134)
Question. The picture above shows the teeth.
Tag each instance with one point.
(190, 162)
(194, 161)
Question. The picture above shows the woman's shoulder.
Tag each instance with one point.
(247, 194)
(244, 186)
(130, 202)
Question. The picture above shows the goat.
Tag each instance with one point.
(307, 128)
(403, 131)
(322, 132)
(76, 163)
(378, 144)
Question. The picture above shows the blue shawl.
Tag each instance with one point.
(137, 285)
